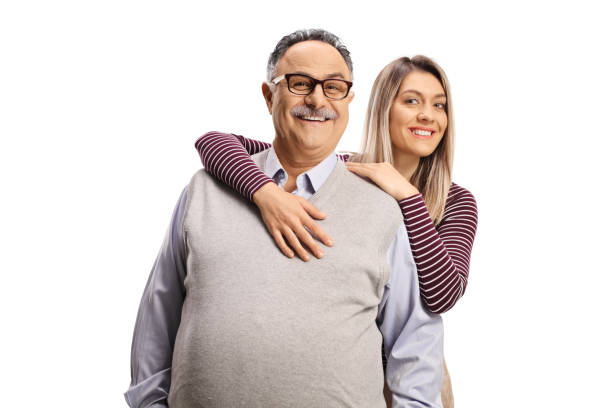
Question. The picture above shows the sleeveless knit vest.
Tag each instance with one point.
(261, 330)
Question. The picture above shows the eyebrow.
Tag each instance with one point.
(333, 75)
(441, 95)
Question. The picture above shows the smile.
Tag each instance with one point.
(422, 133)
(311, 115)
(313, 118)
(319, 118)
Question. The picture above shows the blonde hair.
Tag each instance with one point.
(433, 174)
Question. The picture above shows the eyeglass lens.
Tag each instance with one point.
(332, 88)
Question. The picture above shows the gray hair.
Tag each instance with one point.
(307, 35)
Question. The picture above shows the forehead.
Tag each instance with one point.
(315, 58)
(423, 82)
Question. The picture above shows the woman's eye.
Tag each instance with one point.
(440, 105)
(411, 101)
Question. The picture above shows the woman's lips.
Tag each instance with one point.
(422, 133)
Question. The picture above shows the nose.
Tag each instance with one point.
(316, 98)
(425, 114)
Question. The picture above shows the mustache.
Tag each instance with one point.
(303, 110)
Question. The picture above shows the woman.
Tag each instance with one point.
(408, 152)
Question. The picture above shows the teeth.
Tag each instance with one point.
(320, 119)
(422, 132)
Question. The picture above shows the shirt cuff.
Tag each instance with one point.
(150, 393)
(413, 199)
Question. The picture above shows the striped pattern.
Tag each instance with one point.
(224, 156)
(441, 253)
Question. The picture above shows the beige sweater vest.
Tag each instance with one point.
(261, 330)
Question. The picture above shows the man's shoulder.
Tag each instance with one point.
(367, 191)
(199, 178)
(200, 174)
(204, 183)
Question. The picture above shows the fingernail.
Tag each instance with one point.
(329, 242)
(319, 254)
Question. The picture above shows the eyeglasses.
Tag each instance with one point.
(301, 84)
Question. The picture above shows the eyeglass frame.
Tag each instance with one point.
(279, 78)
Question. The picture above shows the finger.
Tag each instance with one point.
(370, 166)
(294, 243)
(313, 211)
(318, 231)
(309, 241)
(356, 164)
(280, 242)
(361, 170)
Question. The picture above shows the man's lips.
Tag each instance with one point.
(313, 119)
(422, 132)
(317, 116)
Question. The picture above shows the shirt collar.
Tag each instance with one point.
(317, 175)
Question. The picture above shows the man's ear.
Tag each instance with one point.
(267, 94)
(350, 96)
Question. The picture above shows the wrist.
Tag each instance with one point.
(409, 191)
(264, 191)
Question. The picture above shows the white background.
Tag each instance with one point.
(100, 103)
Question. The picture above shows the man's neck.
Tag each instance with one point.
(295, 161)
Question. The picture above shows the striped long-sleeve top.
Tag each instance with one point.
(441, 252)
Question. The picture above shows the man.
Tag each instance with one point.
(228, 321)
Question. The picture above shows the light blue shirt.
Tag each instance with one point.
(412, 336)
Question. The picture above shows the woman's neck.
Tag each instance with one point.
(405, 164)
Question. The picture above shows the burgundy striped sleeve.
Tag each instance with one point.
(227, 157)
(442, 253)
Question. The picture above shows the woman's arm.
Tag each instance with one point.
(442, 254)
(227, 157)
(289, 219)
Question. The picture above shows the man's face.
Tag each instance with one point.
(297, 118)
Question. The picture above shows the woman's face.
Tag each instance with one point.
(417, 119)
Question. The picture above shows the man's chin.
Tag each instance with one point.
(313, 139)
